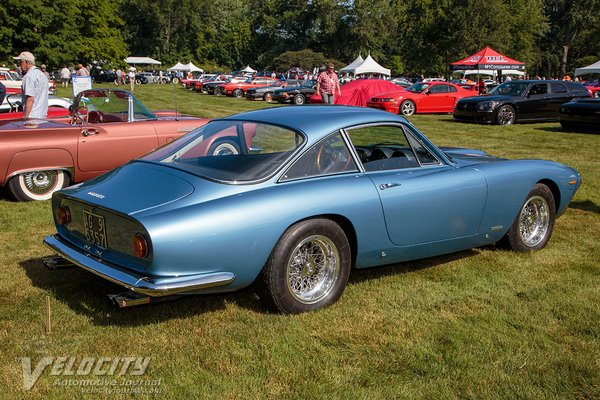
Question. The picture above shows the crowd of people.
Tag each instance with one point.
(35, 82)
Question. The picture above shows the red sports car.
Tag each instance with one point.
(594, 89)
(238, 89)
(107, 129)
(422, 97)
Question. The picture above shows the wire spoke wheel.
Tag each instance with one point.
(534, 221)
(313, 269)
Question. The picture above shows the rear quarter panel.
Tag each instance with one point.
(31, 146)
(238, 233)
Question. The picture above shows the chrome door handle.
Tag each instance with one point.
(88, 132)
(384, 186)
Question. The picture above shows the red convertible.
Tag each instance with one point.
(238, 89)
(107, 128)
(422, 97)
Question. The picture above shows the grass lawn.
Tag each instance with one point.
(480, 324)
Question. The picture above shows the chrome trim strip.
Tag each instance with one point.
(138, 283)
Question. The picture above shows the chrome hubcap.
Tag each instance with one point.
(40, 182)
(313, 269)
(506, 116)
(534, 221)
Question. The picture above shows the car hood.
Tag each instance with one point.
(395, 93)
(488, 97)
(290, 88)
(467, 157)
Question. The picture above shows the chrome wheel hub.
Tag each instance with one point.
(40, 182)
(534, 221)
(313, 269)
(506, 116)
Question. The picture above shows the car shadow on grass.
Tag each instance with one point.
(86, 294)
(586, 205)
(559, 129)
(365, 274)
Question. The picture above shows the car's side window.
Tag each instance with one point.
(558, 88)
(439, 89)
(383, 147)
(452, 89)
(538, 88)
(330, 156)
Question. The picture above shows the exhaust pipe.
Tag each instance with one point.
(57, 262)
(131, 298)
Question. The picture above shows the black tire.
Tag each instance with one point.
(308, 268)
(223, 148)
(268, 97)
(533, 226)
(238, 93)
(299, 99)
(506, 115)
(408, 108)
(37, 185)
(566, 126)
(175, 80)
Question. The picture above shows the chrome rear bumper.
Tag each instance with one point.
(151, 286)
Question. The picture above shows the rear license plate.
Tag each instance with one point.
(95, 229)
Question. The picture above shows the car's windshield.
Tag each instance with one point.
(231, 151)
(510, 88)
(418, 87)
(115, 103)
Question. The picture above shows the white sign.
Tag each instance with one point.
(81, 83)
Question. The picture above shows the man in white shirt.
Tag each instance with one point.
(65, 74)
(35, 87)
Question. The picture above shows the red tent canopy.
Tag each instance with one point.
(358, 92)
(489, 59)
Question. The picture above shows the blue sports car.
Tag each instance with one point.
(291, 199)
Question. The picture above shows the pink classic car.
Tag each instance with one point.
(106, 128)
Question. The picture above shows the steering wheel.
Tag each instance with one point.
(16, 104)
(330, 159)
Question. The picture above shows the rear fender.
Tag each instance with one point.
(40, 160)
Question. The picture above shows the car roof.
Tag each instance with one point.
(316, 121)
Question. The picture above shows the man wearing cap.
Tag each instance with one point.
(328, 84)
(35, 87)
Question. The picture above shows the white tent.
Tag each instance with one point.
(370, 66)
(350, 67)
(177, 67)
(590, 69)
(191, 67)
(141, 60)
(248, 69)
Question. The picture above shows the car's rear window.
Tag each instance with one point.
(231, 151)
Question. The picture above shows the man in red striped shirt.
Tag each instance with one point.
(327, 84)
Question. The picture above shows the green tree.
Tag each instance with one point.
(567, 19)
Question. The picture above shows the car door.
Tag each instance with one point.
(535, 104)
(437, 99)
(424, 199)
(559, 94)
(104, 146)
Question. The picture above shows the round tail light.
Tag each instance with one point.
(139, 246)
(62, 215)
